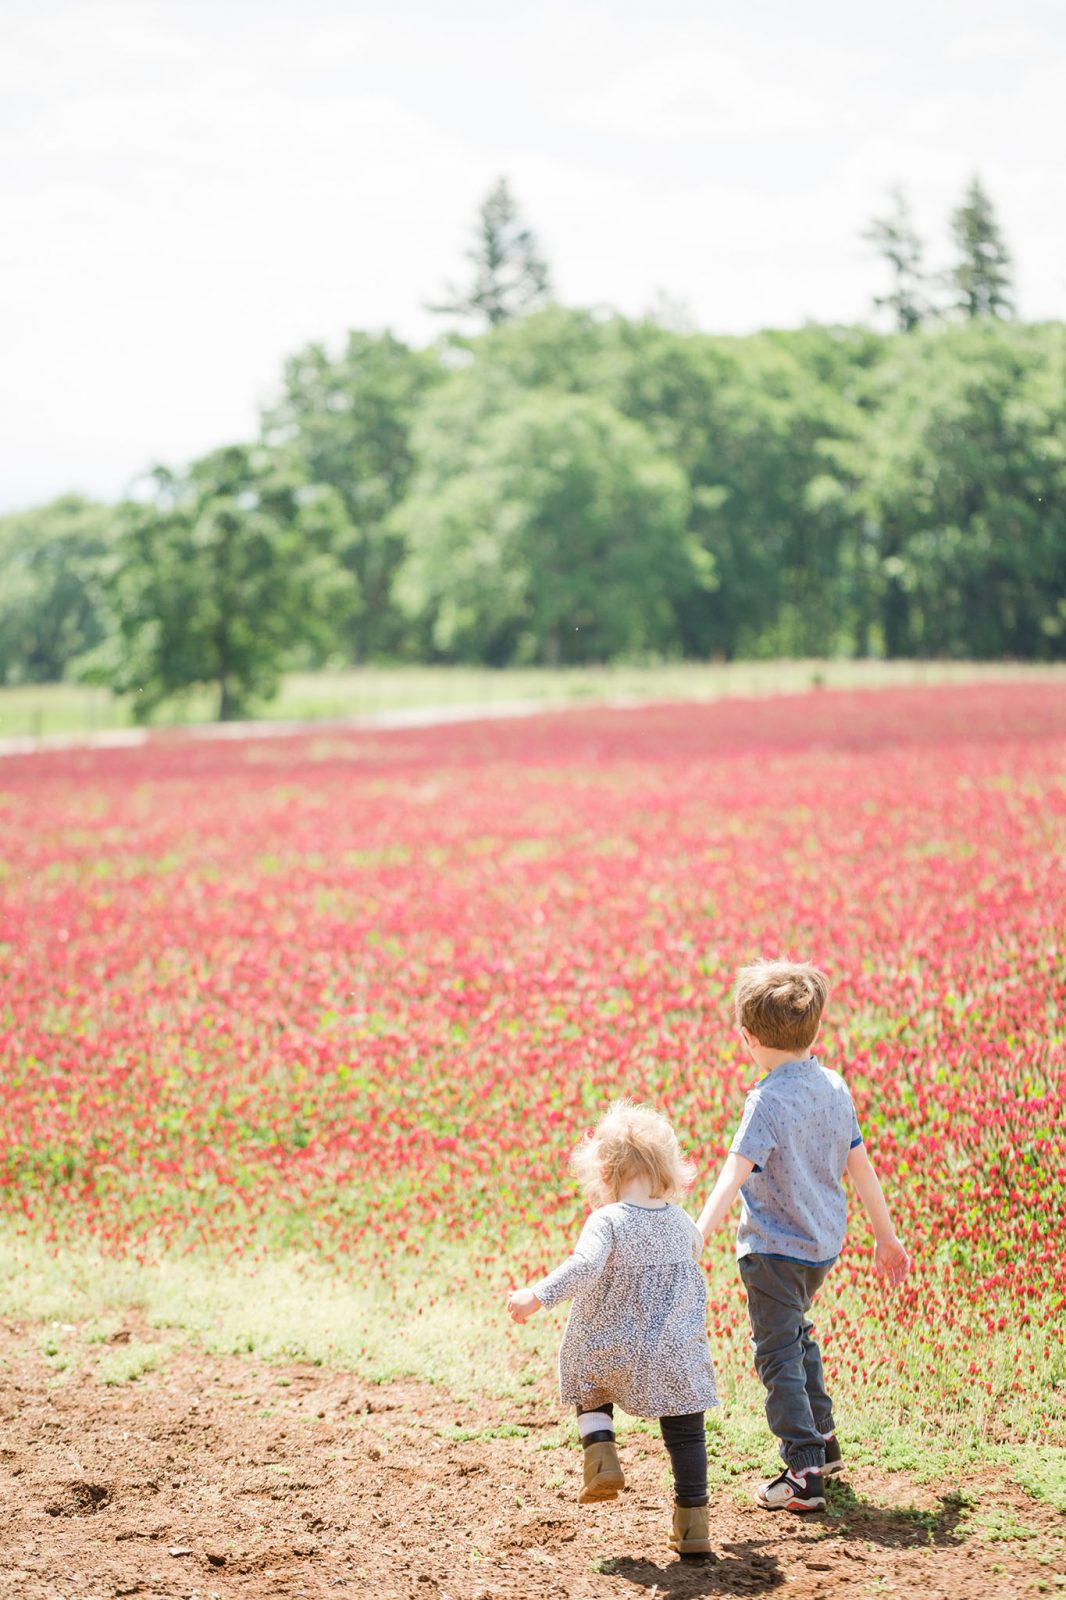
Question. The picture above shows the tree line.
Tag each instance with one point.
(564, 486)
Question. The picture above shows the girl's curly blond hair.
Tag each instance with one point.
(631, 1141)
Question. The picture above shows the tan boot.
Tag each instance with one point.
(690, 1531)
(603, 1474)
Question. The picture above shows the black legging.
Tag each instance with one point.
(685, 1439)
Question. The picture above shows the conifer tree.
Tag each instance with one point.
(510, 277)
(982, 279)
(895, 239)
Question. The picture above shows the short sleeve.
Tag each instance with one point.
(756, 1137)
(855, 1136)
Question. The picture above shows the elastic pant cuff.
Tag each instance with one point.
(806, 1460)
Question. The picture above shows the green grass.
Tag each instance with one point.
(127, 1362)
(277, 1309)
(1044, 1476)
(505, 1430)
(41, 710)
(999, 1527)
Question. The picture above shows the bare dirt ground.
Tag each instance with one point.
(225, 1476)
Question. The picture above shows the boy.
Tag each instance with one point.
(797, 1137)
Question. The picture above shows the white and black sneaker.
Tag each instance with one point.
(801, 1491)
(834, 1461)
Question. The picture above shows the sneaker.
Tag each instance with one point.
(834, 1462)
(803, 1492)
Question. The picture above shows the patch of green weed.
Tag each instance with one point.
(999, 1525)
(505, 1430)
(1042, 1471)
(126, 1362)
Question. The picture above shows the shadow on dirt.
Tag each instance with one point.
(747, 1570)
(850, 1517)
(749, 1567)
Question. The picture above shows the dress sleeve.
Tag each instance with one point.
(756, 1137)
(696, 1238)
(587, 1262)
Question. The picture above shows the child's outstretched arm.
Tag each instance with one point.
(734, 1174)
(891, 1260)
(589, 1258)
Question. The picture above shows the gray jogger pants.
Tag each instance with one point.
(788, 1361)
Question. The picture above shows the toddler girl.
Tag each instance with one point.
(637, 1332)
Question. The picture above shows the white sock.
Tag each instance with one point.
(594, 1422)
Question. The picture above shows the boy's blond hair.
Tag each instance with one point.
(631, 1141)
(780, 1003)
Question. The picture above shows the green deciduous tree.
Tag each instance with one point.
(572, 486)
(961, 473)
(557, 533)
(749, 421)
(52, 606)
(562, 348)
(510, 276)
(219, 576)
(981, 280)
(345, 421)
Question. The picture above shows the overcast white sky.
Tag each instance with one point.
(194, 188)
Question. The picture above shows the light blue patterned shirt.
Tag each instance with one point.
(798, 1127)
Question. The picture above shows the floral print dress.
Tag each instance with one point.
(637, 1331)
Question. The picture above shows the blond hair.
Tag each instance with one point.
(780, 1003)
(631, 1141)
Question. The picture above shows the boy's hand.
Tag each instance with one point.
(522, 1304)
(891, 1260)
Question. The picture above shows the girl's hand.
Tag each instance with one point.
(522, 1304)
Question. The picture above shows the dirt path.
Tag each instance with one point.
(227, 1477)
(398, 718)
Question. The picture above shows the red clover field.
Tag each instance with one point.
(354, 995)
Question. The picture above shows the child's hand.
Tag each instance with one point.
(891, 1260)
(522, 1304)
